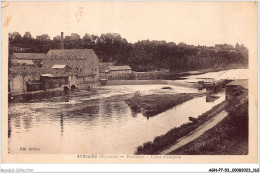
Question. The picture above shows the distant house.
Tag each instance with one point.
(118, 70)
(15, 82)
(18, 82)
(21, 72)
(25, 64)
(60, 69)
(22, 66)
(37, 58)
(103, 67)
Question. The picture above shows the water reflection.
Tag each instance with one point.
(27, 122)
(61, 124)
(95, 123)
(9, 128)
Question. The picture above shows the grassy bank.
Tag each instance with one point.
(229, 137)
(150, 105)
(162, 142)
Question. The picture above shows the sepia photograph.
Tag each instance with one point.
(129, 80)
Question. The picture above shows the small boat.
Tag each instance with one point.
(193, 119)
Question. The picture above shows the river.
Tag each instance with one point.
(97, 122)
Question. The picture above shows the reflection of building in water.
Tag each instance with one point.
(27, 122)
(61, 124)
(17, 121)
(9, 127)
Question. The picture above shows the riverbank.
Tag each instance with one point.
(151, 105)
(229, 137)
(163, 142)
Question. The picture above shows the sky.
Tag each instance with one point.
(203, 23)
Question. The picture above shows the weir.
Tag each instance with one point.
(211, 85)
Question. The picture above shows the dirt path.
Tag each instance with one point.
(196, 133)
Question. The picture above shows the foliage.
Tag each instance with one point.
(143, 55)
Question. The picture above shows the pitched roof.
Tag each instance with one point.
(240, 82)
(25, 74)
(74, 53)
(59, 66)
(22, 62)
(31, 56)
(46, 75)
(12, 75)
(119, 68)
(34, 82)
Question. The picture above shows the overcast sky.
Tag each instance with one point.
(204, 23)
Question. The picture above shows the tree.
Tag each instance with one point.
(27, 37)
(74, 37)
(43, 37)
(14, 37)
(87, 41)
(57, 38)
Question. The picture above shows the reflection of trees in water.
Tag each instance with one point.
(108, 109)
(17, 121)
(113, 107)
(61, 124)
(119, 107)
(133, 113)
(9, 127)
(27, 122)
(84, 113)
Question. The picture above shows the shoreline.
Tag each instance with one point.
(163, 142)
(215, 131)
(152, 105)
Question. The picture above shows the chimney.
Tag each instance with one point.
(62, 41)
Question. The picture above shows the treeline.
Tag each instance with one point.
(143, 55)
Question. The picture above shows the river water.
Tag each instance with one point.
(96, 122)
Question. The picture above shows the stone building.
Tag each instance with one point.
(22, 66)
(103, 66)
(24, 71)
(15, 82)
(114, 72)
(36, 58)
(21, 82)
(83, 63)
(21, 72)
